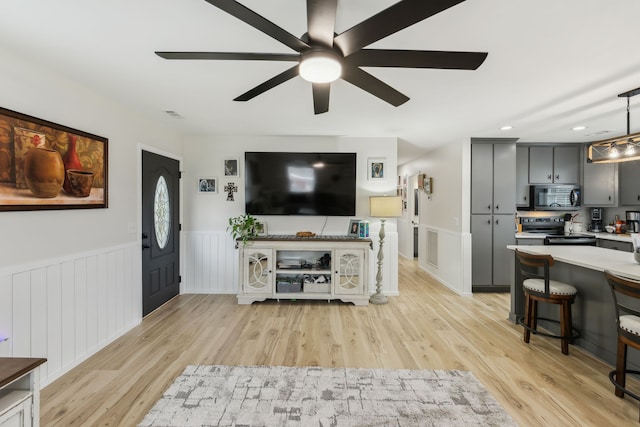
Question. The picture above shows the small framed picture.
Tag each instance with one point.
(208, 185)
(354, 228)
(261, 228)
(376, 169)
(428, 185)
(231, 167)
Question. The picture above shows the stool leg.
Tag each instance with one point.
(565, 326)
(621, 364)
(534, 315)
(527, 318)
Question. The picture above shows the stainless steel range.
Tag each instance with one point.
(553, 230)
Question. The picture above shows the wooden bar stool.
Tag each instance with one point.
(626, 297)
(539, 288)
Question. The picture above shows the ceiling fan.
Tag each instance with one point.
(342, 54)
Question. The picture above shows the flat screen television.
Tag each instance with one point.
(300, 183)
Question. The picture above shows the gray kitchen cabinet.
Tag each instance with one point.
(493, 175)
(492, 178)
(481, 257)
(599, 184)
(615, 245)
(554, 164)
(522, 176)
(530, 242)
(629, 181)
(490, 235)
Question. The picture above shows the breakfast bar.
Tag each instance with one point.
(593, 311)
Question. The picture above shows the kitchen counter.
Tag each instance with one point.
(603, 235)
(591, 257)
(593, 311)
(610, 236)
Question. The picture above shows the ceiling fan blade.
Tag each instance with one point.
(231, 56)
(260, 23)
(321, 20)
(391, 20)
(269, 84)
(417, 59)
(374, 86)
(321, 97)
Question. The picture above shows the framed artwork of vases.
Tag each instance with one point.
(44, 165)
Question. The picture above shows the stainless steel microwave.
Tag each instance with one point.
(555, 197)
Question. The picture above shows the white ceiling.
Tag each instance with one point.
(552, 65)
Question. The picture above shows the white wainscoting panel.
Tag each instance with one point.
(67, 309)
(449, 248)
(211, 263)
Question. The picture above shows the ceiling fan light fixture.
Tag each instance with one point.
(320, 67)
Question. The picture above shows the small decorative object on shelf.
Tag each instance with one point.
(242, 227)
(305, 234)
(364, 229)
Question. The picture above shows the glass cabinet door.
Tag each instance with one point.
(349, 274)
(258, 277)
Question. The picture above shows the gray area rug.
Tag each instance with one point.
(323, 397)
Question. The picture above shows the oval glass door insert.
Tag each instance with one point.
(162, 212)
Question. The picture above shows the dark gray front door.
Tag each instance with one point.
(160, 230)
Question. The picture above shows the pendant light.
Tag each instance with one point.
(620, 149)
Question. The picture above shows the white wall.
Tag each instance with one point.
(211, 265)
(64, 254)
(445, 213)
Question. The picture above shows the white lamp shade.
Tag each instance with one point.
(385, 206)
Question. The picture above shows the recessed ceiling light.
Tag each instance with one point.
(507, 127)
(579, 127)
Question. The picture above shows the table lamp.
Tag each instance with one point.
(383, 207)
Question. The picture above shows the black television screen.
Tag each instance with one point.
(300, 183)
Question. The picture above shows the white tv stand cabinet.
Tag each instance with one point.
(20, 391)
(290, 267)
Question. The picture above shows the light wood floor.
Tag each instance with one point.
(427, 327)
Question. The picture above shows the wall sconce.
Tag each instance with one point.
(620, 149)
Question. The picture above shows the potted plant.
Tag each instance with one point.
(242, 227)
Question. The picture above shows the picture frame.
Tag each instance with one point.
(208, 185)
(47, 166)
(376, 168)
(354, 228)
(428, 185)
(261, 228)
(231, 167)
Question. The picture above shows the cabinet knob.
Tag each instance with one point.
(497, 221)
(488, 221)
(497, 207)
(557, 177)
(610, 198)
(549, 177)
(489, 207)
(524, 198)
(638, 196)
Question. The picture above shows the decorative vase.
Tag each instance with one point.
(44, 172)
(79, 182)
(71, 161)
